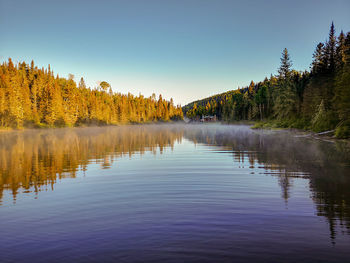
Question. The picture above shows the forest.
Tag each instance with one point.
(317, 100)
(34, 97)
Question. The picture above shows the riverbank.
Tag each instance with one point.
(341, 131)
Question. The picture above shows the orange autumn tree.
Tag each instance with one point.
(31, 97)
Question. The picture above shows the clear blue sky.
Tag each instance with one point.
(185, 49)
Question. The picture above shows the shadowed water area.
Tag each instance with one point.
(173, 193)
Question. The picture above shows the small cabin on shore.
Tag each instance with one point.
(208, 118)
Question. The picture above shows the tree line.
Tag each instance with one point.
(36, 160)
(34, 97)
(317, 100)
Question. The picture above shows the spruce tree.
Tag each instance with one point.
(318, 64)
(342, 90)
(285, 97)
(331, 48)
(286, 64)
(340, 51)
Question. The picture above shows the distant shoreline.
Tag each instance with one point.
(255, 125)
(9, 129)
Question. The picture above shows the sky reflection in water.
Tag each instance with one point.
(172, 192)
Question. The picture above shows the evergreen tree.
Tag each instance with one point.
(286, 64)
(318, 63)
(285, 96)
(34, 97)
(340, 51)
(342, 91)
(318, 99)
(331, 48)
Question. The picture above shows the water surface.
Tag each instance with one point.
(173, 193)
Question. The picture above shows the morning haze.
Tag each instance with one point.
(174, 131)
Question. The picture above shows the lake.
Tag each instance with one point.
(173, 193)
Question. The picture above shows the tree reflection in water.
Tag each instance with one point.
(33, 160)
(325, 164)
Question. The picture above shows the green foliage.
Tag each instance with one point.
(342, 90)
(316, 100)
(286, 64)
(285, 100)
(259, 125)
(343, 131)
(323, 120)
(300, 123)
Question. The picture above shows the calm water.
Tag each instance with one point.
(173, 193)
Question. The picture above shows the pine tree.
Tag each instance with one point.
(285, 96)
(318, 64)
(3, 101)
(340, 51)
(286, 64)
(331, 48)
(342, 90)
(82, 84)
(32, 95)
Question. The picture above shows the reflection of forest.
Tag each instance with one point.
(33, 159)
(325, 164)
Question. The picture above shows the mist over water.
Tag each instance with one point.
(170, 193)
